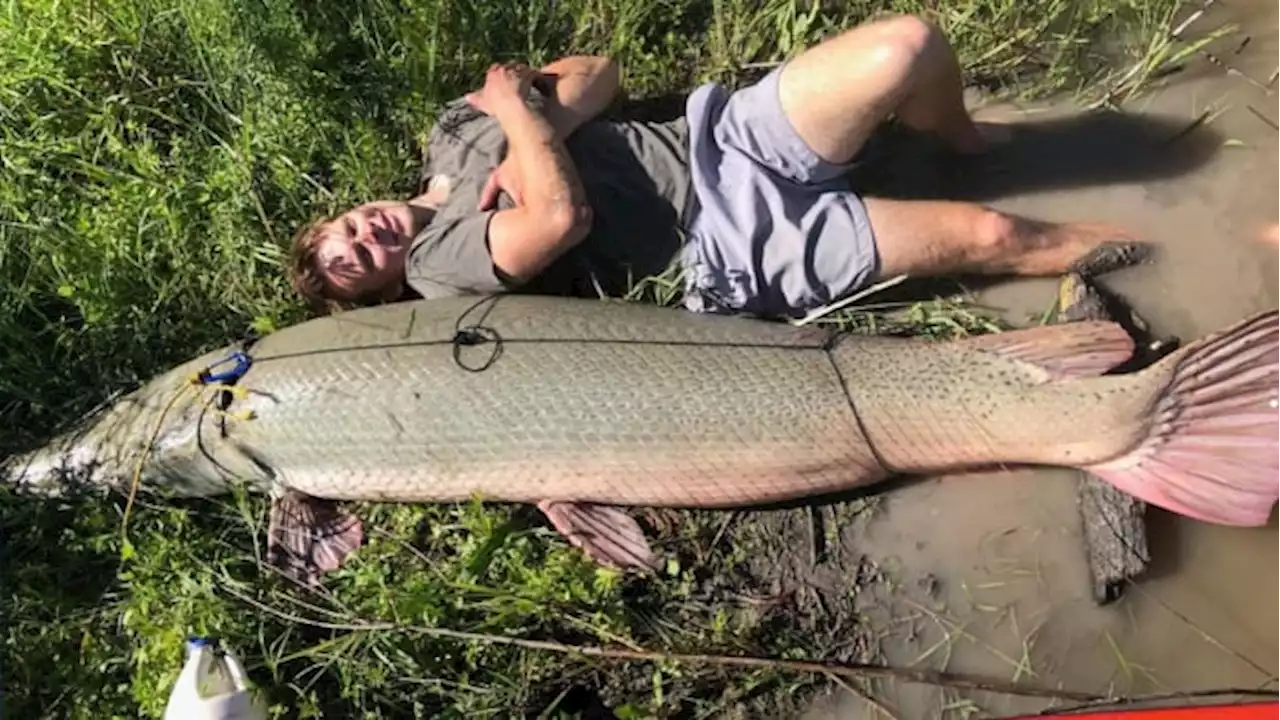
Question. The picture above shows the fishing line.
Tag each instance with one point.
(853, 408)
(472, 337)
(1130, 581)
(475, 334)
(146, 452)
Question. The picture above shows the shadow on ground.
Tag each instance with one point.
(1089, 148)
(1163, 534)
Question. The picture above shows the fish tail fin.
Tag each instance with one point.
(1211, 451)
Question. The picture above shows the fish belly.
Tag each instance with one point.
(591, 402)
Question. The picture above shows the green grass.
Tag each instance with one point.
(155, 158)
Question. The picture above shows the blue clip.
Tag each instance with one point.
(242, 363)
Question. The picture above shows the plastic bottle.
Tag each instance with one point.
(212, 686)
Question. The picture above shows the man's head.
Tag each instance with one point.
(358, 257)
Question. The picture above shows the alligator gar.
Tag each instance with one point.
(584, 406)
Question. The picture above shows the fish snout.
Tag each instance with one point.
(49, 473)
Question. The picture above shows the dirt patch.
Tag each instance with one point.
(785, 583)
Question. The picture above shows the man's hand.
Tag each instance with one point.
(503, 85)
(504, 178)
(552, 213)
(577, 88)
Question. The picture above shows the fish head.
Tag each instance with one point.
(164, 437)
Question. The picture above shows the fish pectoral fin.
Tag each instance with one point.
(307, 536)
(1084, 348)
(605, 533)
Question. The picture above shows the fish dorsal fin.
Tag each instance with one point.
(1071, 350)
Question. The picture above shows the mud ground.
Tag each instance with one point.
(986, 572)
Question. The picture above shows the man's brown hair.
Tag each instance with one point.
(305, 276)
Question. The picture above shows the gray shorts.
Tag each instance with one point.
(777, 230)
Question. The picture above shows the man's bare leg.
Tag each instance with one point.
(837, 92)
(932, 238)
(835, 95)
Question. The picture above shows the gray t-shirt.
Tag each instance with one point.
(636, 178)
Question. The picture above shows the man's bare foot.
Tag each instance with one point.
(1084, 248)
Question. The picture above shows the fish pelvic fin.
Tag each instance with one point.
(308, 537)
(604, 533)
(1071, 350)
(1211, 450)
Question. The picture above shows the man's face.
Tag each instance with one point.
(362, 253)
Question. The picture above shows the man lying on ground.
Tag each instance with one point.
(746, 192)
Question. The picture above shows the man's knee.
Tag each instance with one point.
(901, 40)
(912, 32)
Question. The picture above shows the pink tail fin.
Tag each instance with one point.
(1212, 452)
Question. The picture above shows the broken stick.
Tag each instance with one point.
(1114, 522)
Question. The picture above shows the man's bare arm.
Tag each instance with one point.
(577, 89)
(555, 214)
(582, 86)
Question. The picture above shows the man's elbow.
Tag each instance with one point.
(571, 222)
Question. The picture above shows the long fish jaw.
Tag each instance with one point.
(165, 433)
(53, 470)
(109, 454)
